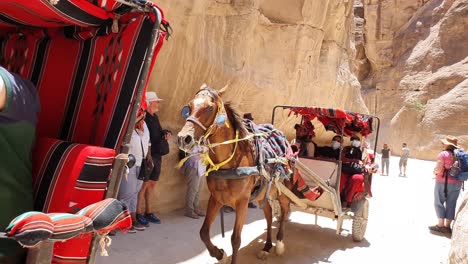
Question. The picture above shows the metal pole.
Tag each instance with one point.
(222, 220)
(42, 254)
(119, 164)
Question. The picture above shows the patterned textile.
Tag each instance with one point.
(304, 190)
(271, 144)
(41, 13)
(87, 78)
(107, 215)
(71, 230)
(67, 226)
(30, 228)
(66, 178)
(98, 76)
(337, 119)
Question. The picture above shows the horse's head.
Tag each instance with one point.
(203, 114)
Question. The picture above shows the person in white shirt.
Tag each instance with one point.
(131, 185)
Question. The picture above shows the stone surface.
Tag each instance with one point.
(417, 82)
(268, 52)
(459, 249)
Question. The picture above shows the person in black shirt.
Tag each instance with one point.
(385, 159)
(332, 151)
(159, 147)
(352, 171)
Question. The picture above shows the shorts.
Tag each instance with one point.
(403, 162)
(154, 176)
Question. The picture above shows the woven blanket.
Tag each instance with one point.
(271, 144)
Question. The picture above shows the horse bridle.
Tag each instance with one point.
(219, 119)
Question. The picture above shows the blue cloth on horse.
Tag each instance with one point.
(271, 145)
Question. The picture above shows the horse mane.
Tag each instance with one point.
(236, 120)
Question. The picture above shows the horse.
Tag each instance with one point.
(216, 126)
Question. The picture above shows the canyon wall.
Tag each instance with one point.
(412, 62)
(269, 52)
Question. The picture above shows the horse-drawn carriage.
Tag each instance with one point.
(249, 162)
(326, 172)
(90, 62)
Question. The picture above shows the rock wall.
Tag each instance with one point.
(413, 66)
(459, 248)
(269, 52)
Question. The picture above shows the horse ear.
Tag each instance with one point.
(223, 90)
(203, 86)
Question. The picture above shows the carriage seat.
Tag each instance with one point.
(66, 178)
(325, 169)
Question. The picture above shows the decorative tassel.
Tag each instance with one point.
(104, 242)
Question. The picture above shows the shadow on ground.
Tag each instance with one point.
(311, 244)
(174, 241)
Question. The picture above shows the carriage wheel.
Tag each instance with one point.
(361, 215)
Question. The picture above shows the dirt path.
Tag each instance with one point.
(397, 232)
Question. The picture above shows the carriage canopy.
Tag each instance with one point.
(336, 120)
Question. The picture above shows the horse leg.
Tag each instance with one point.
(284, 203)
(241, 212)
(211, 212)
(267, 211)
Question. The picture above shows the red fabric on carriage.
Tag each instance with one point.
(337, 119)
(310, 194)
(30, 228)
(41, 13)
(107, 215)
(86, 86)
(68, 177)
(67, 226)
(87, 78)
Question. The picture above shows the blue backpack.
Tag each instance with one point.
(459, 169)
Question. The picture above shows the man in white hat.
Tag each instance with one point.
(159, 147)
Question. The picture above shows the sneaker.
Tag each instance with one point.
(142, 220)
(152, 218)
(131, 230)
(437, 228)
(139, 227)
(448, 230)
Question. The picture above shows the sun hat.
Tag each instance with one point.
(450, 140)
(151, 96)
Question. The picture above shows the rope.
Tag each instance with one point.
(104, 241)
(206, 158)
(214, 167)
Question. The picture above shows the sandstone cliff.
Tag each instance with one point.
(268, 52)
(413, 66)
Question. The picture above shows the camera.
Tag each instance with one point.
(165, 132)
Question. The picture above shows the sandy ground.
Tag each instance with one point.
(400, 212)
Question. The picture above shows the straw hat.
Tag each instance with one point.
(151, 96)
(450, 140)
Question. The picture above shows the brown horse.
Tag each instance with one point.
(210, 121)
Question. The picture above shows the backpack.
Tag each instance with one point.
(459, 169)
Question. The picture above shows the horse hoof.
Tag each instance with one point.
(263, 255)
(279, 248)
(225, 259)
